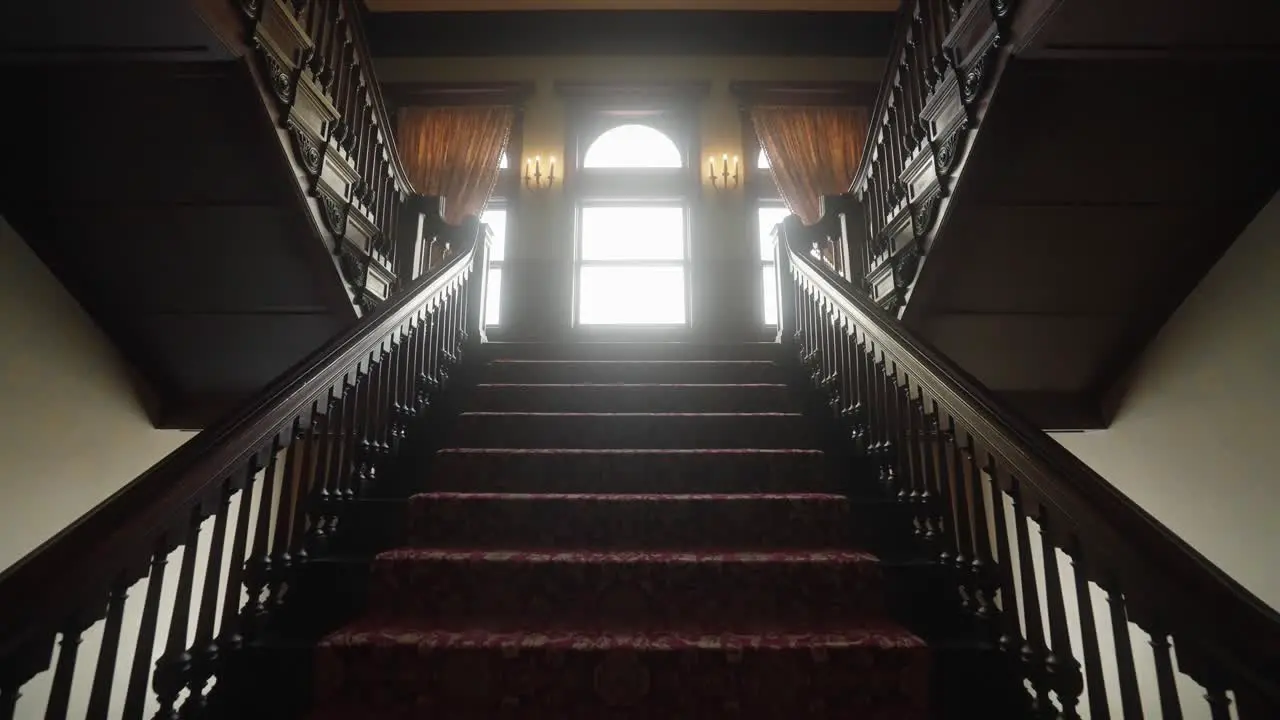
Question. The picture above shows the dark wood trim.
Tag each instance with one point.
(433, 94)
(633, 95)
(753, 93)
(616, 33)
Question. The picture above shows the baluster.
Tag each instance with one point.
(1098, 707)
(203, 651)
(64, 670)
(1130, 700)
(261, 568)
(174, 667)
(1033, 652)
(1010, 632)
(230, 641)
(1216, 696)
(314, 526)
(1061, 668)
(364, 419)
(927, 496)
(139, 672)
(332, 482)
(383, 428)
(282, 561)
(883, 399)
(983, 566)
(899, 440)
(105, 670)
(961, 518)
(917, 493)
(1170, 706)
(942, 509)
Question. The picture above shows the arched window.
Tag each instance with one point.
(632, 195)
(762, 160)
(633, 146)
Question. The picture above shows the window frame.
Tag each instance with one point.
(761, 192)
(593, 111)
(506, 197)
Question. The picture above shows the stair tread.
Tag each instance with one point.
(664, 557)
(880, 634)
(632, 497)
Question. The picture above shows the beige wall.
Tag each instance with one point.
(540, 239)
(1194, 442)
(71, 428)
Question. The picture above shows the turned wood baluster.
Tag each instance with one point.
(983, 568)
(1170, 705)
(1010, 640)
(1062, 671)
(282, 559)
(1033, 646)
(926, 498)
(329, 479)
(64, 670)
(899, 420)
(315, 525)
(1130, 700)
(261, 570)
(386, 388)
(105, 669)
(1216, 696)
(203, 650)
(1093, 672)
(230, 639)
(174, 667)
(942, 509)
(140, 670)
(876, 421)
(342, 461)
(960, 509)
(915, 488)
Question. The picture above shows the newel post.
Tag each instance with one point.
(839, 223)
(477, 290)
(413, 223)
(787, 316)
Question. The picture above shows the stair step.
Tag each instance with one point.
(632, 521)
(639, 397)
(632, 430)
(631, 351)
(509, 590)
(631, 371)
(474, 674)
(717, 470)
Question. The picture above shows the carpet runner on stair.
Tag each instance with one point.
(573, 556)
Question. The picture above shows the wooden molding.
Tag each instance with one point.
(753, 93)
(404, 94)
(606, 93)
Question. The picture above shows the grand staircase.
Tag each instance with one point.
(632, 537)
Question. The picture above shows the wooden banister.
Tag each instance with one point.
(977, 477)
(266, 488)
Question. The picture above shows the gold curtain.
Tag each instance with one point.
(812, 151)
(453, 152)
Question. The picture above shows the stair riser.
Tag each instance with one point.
(632, 372)
(632, 431)
(629, 473)
(632, 398)
(752, 684)
(745, 525)
(714, 597)
(632, 351)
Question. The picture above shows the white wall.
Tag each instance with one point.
(1195, 440)
(72, 430)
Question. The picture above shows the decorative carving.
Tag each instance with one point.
(973, 80)
(335, 215)
(251, 8)
(306, 148)
(946, 152)
(278, 75)
(1001, 8)
(354, 268)
(924, 212)
(904, 269)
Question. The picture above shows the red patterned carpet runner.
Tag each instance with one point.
(575, 557)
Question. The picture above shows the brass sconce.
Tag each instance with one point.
(722, 181)
(533, 177)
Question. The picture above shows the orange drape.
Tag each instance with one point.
(453, 152)
(812, 151)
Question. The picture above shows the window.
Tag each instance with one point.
(495, 216)
(762, 160)
(632, 227)
(769, 211)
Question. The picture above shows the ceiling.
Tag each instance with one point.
(561, 5)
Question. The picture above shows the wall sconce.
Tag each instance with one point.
(533, 177)
(721, 181)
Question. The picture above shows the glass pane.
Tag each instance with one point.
(633, 233)
(762, 160)
(502, 161)
(769, 281)
(493, 297)
(631, 296)
(633, 146)
(767, 218)
(496, 219)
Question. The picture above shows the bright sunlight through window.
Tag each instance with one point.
(762, 160)
(502, 161)
(631, 265)
(767, 217)
(496, 219)
(633, 146)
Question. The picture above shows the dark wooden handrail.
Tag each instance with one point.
(1226, 638)
(327, 423)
